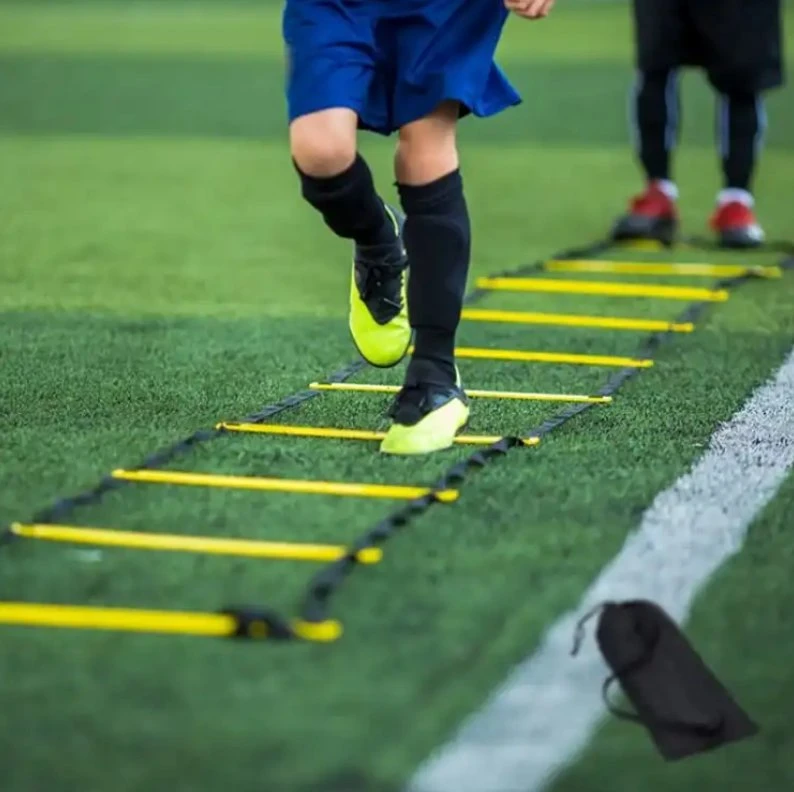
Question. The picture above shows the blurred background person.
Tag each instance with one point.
(738, 44)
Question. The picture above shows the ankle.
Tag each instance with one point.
(431, 369)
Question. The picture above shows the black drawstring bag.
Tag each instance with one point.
(675, 695)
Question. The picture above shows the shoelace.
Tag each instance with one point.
(373, 281)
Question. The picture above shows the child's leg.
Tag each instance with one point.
(431, 407)
(335, 84)
(444, 69)
(335, 180)
(437, 233)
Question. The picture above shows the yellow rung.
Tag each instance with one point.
(604, 289)
(575, 320)
(661, 268)
(349, 434)
(362, 387)
(343, 488)
(287, 551)
(551, 357)
(78, 617)
(301, 431)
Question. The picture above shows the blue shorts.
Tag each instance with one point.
(394, 61)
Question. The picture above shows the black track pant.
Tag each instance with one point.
(656, 116)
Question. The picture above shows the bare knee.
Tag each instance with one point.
(324, 143)
(427, 149)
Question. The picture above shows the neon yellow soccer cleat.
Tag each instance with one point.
(427, 413)
(378, 300)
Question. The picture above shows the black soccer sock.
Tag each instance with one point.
(349, 204)
(656, 114)
(741, 122)
(438, 241)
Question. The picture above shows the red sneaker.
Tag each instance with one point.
(652, 215)
(737, 226)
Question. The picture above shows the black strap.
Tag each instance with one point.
(578, 634)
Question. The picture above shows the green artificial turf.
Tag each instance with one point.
(159, 273)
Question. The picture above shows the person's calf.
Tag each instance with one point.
(437, 235)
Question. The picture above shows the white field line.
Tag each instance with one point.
(544, 714)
